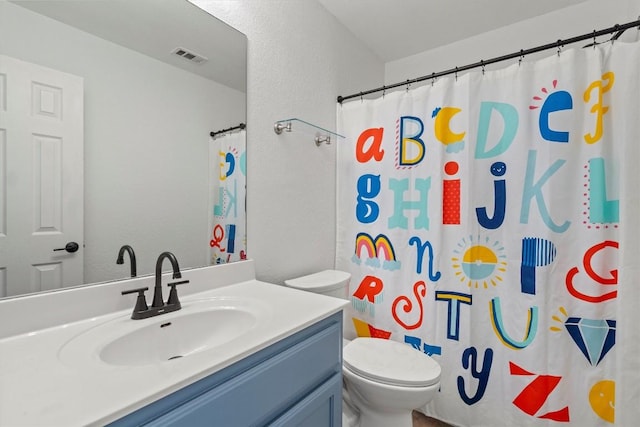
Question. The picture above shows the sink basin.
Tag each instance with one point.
(198, 326)
(177, 337)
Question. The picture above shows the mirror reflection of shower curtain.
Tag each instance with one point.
(227, 198)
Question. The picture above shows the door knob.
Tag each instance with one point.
(70, 247)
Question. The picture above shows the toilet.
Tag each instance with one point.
(384, 380)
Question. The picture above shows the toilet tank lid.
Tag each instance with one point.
(390, 362)
(326, 280)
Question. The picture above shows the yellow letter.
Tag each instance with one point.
(597, 108)
(223, 174)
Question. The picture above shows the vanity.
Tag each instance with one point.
(240, 352)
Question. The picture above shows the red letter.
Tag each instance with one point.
(364, 155)
(369, 288)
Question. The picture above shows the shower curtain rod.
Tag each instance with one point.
(618, 29)
(240, 126)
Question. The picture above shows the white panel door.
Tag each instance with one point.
(41, 178)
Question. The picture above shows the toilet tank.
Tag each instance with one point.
(333, 283)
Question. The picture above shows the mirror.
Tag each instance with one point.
(155, 78)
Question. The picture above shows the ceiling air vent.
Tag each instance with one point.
(189, 55)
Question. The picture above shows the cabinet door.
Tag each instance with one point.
(300, 375)
(265, 391)
(321, 408)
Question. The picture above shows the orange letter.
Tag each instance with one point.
(375, 149)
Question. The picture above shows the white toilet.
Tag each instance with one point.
(384, 380)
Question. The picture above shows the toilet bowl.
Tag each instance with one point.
(384, 380)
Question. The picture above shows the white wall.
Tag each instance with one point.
(147, 130)
(564, 23)
(300, 60)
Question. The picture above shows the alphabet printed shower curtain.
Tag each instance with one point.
(491, 221)
(227, 179)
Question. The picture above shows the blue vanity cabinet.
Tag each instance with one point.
(294, 382)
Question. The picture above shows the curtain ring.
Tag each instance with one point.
(456, 74)
(521, 57)
(559, 46)
(384, 91)
(361, 100)
(408, 85)
(482, 65)
(433, 78)
(594, 40)
(616, 29)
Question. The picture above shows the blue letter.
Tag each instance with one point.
(532, 190)
(557, 101)
(601, 210)
(420, 247)
(453, 320)
(509, 117)
(367, 211)
(469, 359)
(500, 201)
(413, 139)
(399, 186)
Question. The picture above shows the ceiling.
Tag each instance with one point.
(395, 29)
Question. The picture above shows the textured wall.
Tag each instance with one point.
(300, 60)
(563, 23)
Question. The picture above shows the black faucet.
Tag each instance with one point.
(132, 258)
(157, 290)
(141, 310)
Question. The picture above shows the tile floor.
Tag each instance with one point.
(421, 420)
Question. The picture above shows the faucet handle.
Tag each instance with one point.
(131, 291)
(173, 294)
(141, 301)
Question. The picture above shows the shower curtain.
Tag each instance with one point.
(227, 180)
(491, 220)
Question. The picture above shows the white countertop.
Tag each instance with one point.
(38, 389)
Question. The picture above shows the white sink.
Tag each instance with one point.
(199, 326)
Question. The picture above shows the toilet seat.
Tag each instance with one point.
(390, 362)
(323, 281)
